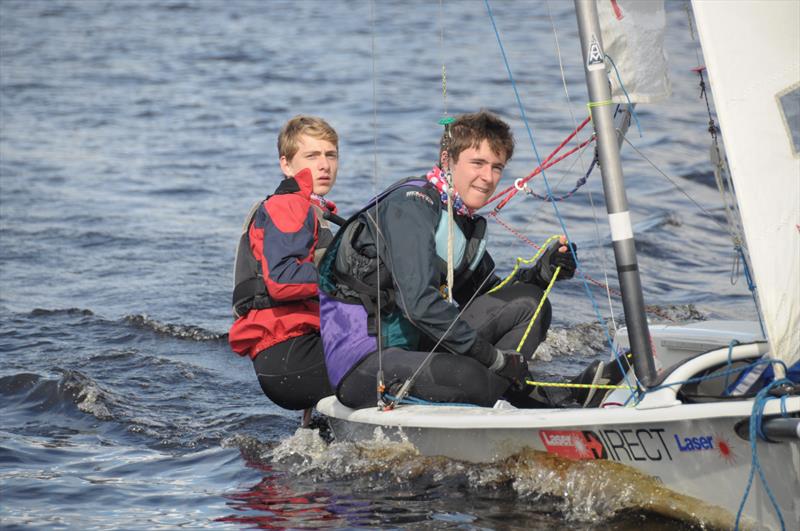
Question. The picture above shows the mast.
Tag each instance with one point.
(614, 189)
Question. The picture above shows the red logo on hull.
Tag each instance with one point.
(573, 444)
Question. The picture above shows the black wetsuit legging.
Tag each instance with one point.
(501, 318)
(292, 373)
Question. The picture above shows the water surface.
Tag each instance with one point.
(134, 135)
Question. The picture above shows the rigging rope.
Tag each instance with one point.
(543, 165)
(379, 384)
(538, 309)
(513, 274)
(627, 97)
(577, 385)
(580, 182)
(547, 184)
(445, 163)
(544, 177)
(756, 420)
(722, 177)
(403, 392)
(580, 158)
(563, 74)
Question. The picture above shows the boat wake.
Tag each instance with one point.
(580, 491)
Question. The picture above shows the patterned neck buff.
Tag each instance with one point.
(436, 177)
(324, 203)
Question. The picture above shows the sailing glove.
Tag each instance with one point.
(511, 365)
(542, 272)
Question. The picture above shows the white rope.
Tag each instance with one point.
(450, 235)
(446, 167)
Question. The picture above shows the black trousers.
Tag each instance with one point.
(292, 373)
(501, 318)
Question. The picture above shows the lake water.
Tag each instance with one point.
(135, 134)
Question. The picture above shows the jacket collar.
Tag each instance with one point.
(303, 182)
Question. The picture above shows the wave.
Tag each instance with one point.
(676, 313)
(590, 339)
(584, 339)
(141, 321)
(33, 392)
(162, 403)
(234, 56)
(190, 332)
(12, 88)
(82, 239)
(189, 191)
(44, 312)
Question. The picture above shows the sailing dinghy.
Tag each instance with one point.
(704, 452)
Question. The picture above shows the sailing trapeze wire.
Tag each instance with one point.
(379, 381)
(444, 162)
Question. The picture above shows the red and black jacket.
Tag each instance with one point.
(275, 284)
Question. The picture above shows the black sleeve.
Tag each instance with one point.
(408, 220)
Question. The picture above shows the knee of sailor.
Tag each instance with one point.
(450, 369)
(528, 303)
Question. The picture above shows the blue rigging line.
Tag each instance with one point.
(625, 91)
(547, 183)
(756, 419)
(751, 285)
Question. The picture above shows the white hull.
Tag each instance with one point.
(713, 467)
(693, 450)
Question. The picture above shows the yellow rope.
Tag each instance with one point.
(598, 104)
(529, 261)
(513, 274)
(536, 313)
(593, 104)
(580, 386)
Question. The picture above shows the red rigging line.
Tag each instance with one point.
(546, 163)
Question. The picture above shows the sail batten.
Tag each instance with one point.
(752, 52)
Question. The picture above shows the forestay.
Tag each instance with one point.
(752, 52)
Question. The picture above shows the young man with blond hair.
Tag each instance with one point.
(275, 287)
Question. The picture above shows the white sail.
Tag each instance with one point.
(752, 52)
(633, 37)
